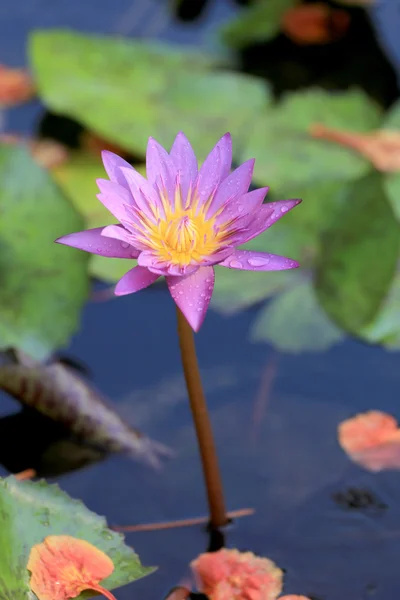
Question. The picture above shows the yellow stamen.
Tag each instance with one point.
(185, 235)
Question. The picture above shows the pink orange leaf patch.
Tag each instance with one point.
(381, 147)
(234, 575)
(372, 440)
(63, 566)
(16, 86)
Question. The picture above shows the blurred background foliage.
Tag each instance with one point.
(276, 72)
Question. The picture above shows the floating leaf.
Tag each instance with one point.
(293, 313)
(258, 23)
(127, 91)
(294, 322)
(315, 24)
(63, 566)
(358, 256)
(236, 575)
(285, 152)
(77, 178)
(385, 328)
(391, 185)
(371, 439)
(381, 147)
(60, 394)
(392, 180)
(31, 511)
(43, 288)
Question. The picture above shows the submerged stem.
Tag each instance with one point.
(205, 439)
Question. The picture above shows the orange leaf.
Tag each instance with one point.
(234, 575)
(16, 86)
(381, 148)
(63, 566)
(310, 24)
(371, 439)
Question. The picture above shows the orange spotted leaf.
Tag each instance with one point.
(234, 575)
(63, 566)
(372, 440)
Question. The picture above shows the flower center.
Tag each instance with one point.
(182, 235)
(184, 238)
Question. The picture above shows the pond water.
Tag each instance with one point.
(332, 526)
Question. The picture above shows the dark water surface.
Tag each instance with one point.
(333, 527)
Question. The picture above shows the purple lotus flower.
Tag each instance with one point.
(181, 221)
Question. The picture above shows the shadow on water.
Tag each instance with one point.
(334, 528)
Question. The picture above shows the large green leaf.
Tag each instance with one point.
(43, 285)
(392, 180)
(358, 256)
(127, 91)
(296, 235)
(392, 117)
(258, 23)
(391, 184)
(385, 328)
(295, 322)
(31, 511)
(77, 178)
(285, 152)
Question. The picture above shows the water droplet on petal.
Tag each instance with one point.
(235, 264)
(258, 261)
(125, 245)
(284, 209)
(180, 292)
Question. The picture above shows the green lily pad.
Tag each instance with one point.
(358, 256)
(127, 91)
(385, 328)
(391, 181)
(77, 178)
(391, 185)
(392, 117)
(295, 322)
(296, 236)
(43, 285)
(292, 321)
(258, 23)
(31, 511)
(285, 152)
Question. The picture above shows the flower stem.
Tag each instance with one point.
(103, 592)
(198, 405)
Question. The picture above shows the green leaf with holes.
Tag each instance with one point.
(43, 285)
(31, 511)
